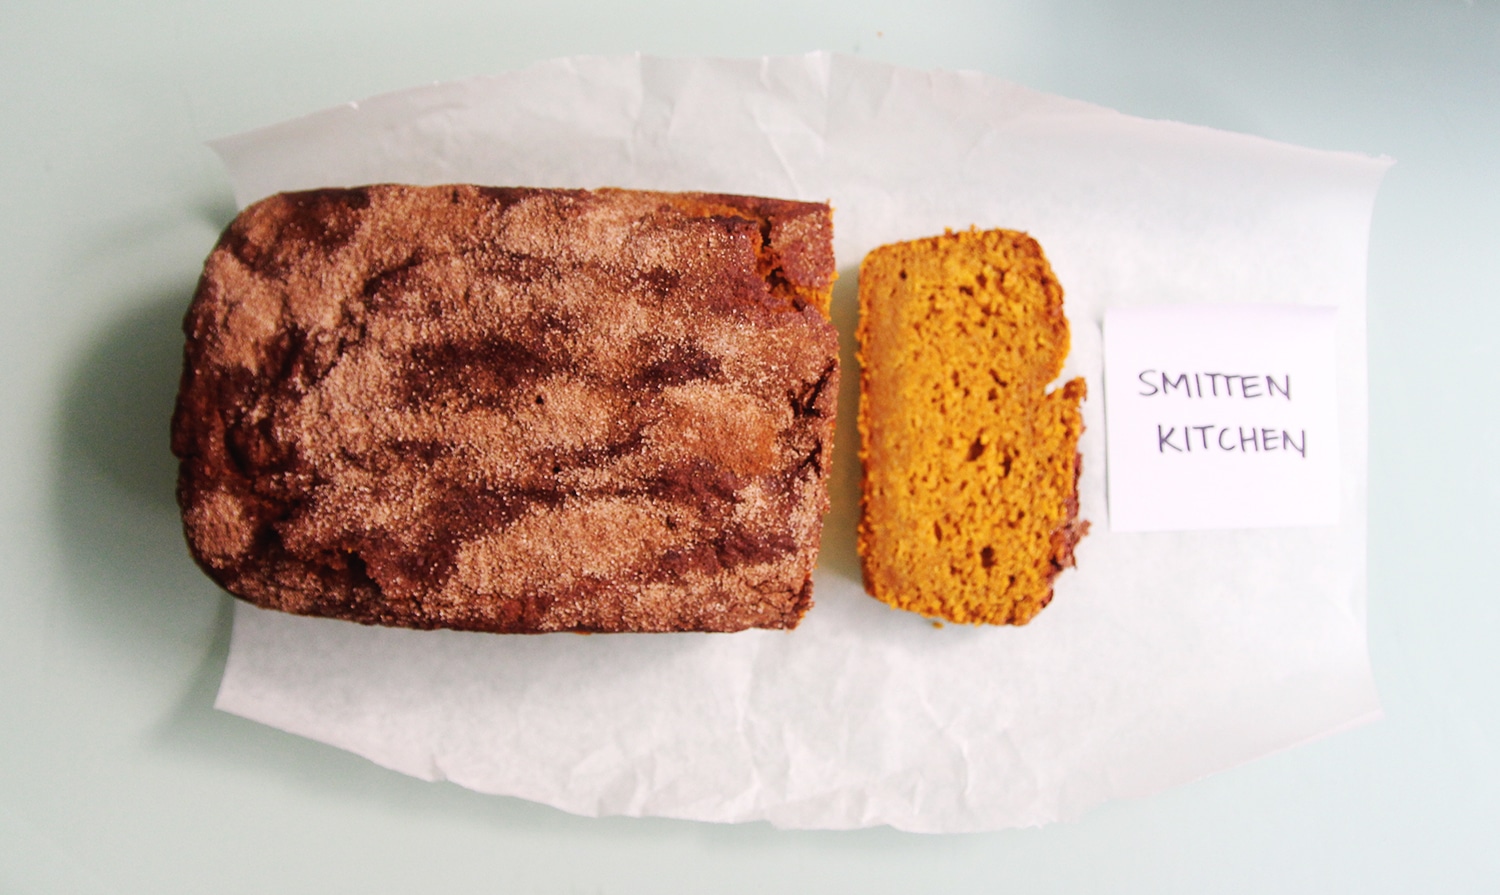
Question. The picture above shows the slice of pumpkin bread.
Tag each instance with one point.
(970, 490)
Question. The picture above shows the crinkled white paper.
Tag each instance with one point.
(1163, 657)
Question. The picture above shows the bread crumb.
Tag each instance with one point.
(970, 490)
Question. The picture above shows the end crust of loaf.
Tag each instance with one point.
(513, 410)
(970, 488)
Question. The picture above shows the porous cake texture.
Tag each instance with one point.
(513, 410)
(970, 497)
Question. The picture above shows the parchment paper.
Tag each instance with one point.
(1164, 656)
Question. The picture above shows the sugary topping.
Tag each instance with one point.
(511, 409)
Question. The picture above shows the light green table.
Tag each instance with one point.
(116, 775)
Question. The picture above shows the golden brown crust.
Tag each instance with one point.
(511, 409)
(969, 503)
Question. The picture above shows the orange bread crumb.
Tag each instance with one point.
(970, 497)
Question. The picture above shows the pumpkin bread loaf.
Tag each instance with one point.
(970, 497)
(513, 410)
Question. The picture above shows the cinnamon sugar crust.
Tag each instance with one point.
(513, 410)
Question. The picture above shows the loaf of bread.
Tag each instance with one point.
(970, 497)
(513, 410)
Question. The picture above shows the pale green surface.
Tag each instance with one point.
(117, 776)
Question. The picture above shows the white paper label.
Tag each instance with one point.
(1221, 416)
